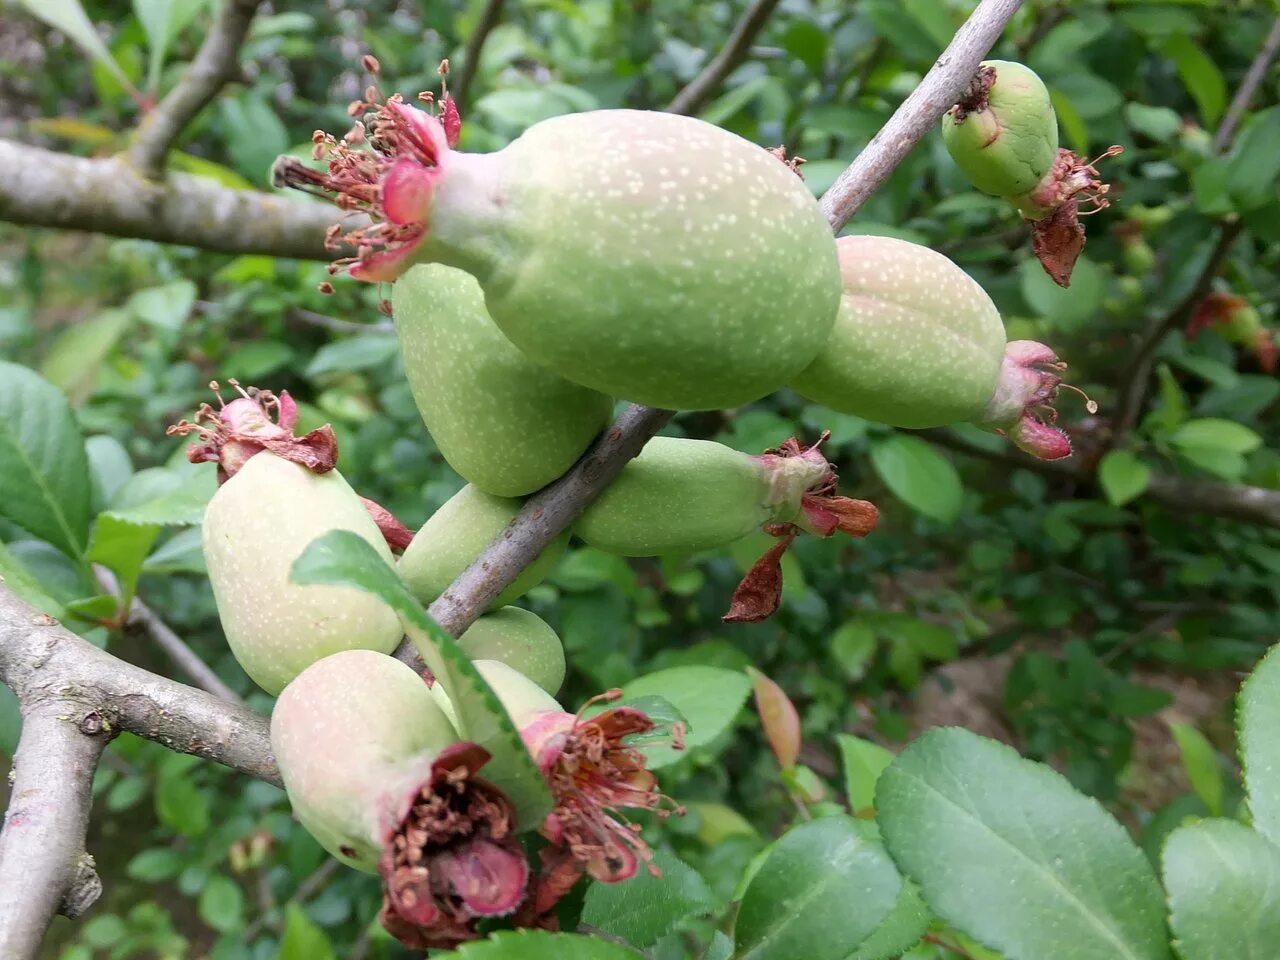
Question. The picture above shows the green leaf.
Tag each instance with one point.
(1072, 309)
(155, 865)
(822, 890)
(44, 472)
(1200, 76)
(364, 352)
(540, 945)
(1255, 162)
(965, 816)
(1211, 433)
(68, 16)
(1224, 892)
(1123, 476)
(221, 904)
(75, 358)
(1200, 761)
(709, 698)
(179, 800)
(1158, 123)
(906, 923)
(302, 939)
(26, 585)
(122, 547)
(344, 558)
(919, 476)
(166, 306)
(162, 20)
(10, 721)
(165, 497)
(853, 645)
(863, 762)
(1258, 719)
(646, 908)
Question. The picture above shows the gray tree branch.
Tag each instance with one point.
(703, 87)
(941, 87)
(216, 63)
(44, 868)
(1253, 78)
(43, 188)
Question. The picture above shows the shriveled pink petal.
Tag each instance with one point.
(407, 189)
(385, 266)
(1040, 439)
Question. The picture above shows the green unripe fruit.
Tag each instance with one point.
(1004, 134)
(918, 343)
(257, 524)
(456, 534)
(681, 496)
(1139, 258)
(502, 422)
(645, 255)
(354, 734)
(520, 639)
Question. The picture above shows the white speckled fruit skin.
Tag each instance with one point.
(503, 422)
(918, 343)
(678, 496)
(645, 255)
(522, 640)
(354, 734)
(257, 524)
(456, 534)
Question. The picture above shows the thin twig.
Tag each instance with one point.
(309, 887)
(937, 93)
(43, 865)
(940, 941)
(40, 659)
(1133, 393)
(1253, 78)
(43, 188)
(703, 87)
(325, 322)
(145, 619)
(489, 18)
(216, 63)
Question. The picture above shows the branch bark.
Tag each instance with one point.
(1253, 78)
(704, 86)
(215, 65)
(42, 661)
(937, 92)
(44, 868)
(489, 18)
(43, 188)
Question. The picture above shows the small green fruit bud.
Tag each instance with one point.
(520, 639)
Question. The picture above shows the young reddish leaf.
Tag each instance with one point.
(779, 717)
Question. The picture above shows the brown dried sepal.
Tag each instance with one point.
(976, 95)
(1058, 240)
(395, 533)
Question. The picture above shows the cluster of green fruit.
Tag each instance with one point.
(607, 255)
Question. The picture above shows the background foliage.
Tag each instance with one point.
(1075, 619)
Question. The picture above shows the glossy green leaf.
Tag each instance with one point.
(863, 762)
(44, 472)
(122, 547)
(165, 497)
(26, 584)
(1122, 476)
(1224, 892)
(906, 923)
(709, 698)
(364, 352)
(1211, 433)
(821, 891)
(540, 945)
(1258, 719)
(1007, 851)
(1255, 162)
(646, 908)
(918, 475)
(345, 558)
(1200, 75)
(1200, 761)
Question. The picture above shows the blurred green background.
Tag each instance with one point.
(1067, 613)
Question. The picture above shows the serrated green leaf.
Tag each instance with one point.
(863, 762)
(902, 929)
(344, 558)
(1258, 720)
(1123, 476)
(540, 945)
(44, 472)
(646, 908)
(1200, 761)
(965, 817)
(822, 890)
(1224, 891)
(709, 698)
(919, 476)
(26, 585)
(164, 497)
